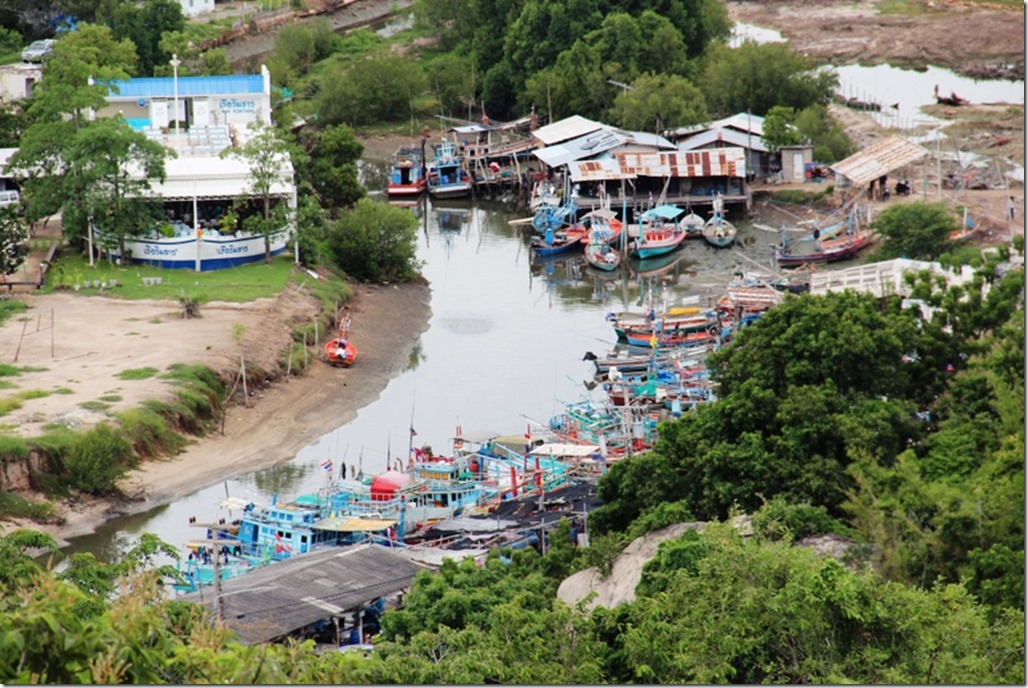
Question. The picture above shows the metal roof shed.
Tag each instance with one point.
(878, 160)
(280, 598)
(565, 130)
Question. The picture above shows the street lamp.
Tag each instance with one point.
(175, 62)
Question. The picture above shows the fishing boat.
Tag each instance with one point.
(692, 225)
(718, 231)
(656, 242)
(447, 177)
(407, 176)
(553, 243)
(843, 248)
(602, 257)
(601, 227)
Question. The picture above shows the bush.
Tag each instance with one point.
(97, 459)
(778, 519)
(376, 242)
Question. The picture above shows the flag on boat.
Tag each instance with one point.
(327, 465)
(653, 340)
(528, 432)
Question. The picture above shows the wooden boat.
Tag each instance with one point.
(447, 177)
(718, 231)
(407, 177)
(952, 99)
(657, 242)
(602, 257)
(692, 225)
(553, 243)
(843, 248)
(601, 227)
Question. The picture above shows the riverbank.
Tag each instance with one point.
(281, 419)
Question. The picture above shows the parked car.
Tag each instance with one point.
(37, 50)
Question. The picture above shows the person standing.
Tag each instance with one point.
(1011, 208)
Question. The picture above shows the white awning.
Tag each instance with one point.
(212, 177)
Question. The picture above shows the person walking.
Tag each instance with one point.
(1011, 208)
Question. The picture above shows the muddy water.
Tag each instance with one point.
(504, 348)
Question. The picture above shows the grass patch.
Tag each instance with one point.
(9, 405)
(95, 405)
(149, 432)
(64, 390)
(111, 397)
(7, 384)
(13, 447)
(137, 373)
(16, 506)
(10, 308)
(7, 370)
(33, 394)
(238, 284)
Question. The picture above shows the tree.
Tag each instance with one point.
(780, 130)
(450, 78)
(194, 61)
(915, 230)
(756, 77)
(659, 102)
(831, 143)
(376, 88)
(117, 164)
(145, 27)
(12, 240)
(267, 156)
(451, 21)
(375, 242)
(331, 169)
(75, 81)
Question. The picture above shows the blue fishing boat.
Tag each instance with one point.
(447, 177)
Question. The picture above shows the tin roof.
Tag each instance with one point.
(878, 160)
(731, 136)
(164, 86)
(565, 129)
(603, 169)
(743, 121)
(716, 162)
(590, 145)
(287, 595)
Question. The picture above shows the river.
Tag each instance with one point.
(504, 348)
(505, 342)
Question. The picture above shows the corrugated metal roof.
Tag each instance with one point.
(742, 121)
(287, 595)
(879, 160)
(565, 129)
(604, 169)
(164, 86)
(590, 145)
(644, 138)
(735, 138)
(718, 162)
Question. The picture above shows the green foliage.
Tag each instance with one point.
(780, 129)
(915, 230)
(149, 432)
(660, 102)
(15, 506)
(145, 25)
(8, 309)
(96, 459)
(767, 613)
(757, 77)
(780, 519)
(450, 78)
(137, 373)
(375, 242)
(13, 248)
(375, 88)
(17, 565)
(299, 46)
(681, 554)
(13, 447)
(831, 143)
(330, 169)
(660, 516)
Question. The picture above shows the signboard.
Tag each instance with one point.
(159, 113)
(202, 113)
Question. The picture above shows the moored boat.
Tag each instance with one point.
(843, 248)
(718, 231)
(602, 257)
(407, 176)
(447, 177)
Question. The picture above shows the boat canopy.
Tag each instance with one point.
(667, 212)
(565, 449)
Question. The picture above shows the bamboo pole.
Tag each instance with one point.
(242, 368)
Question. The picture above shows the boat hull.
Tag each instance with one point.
(602, 257)
(333, 357)
(844, 250)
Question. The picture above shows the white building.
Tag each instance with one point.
(18, 79)
(191, 8)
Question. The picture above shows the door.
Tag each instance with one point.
(797, 167)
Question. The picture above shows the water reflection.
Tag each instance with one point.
(282, 479)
